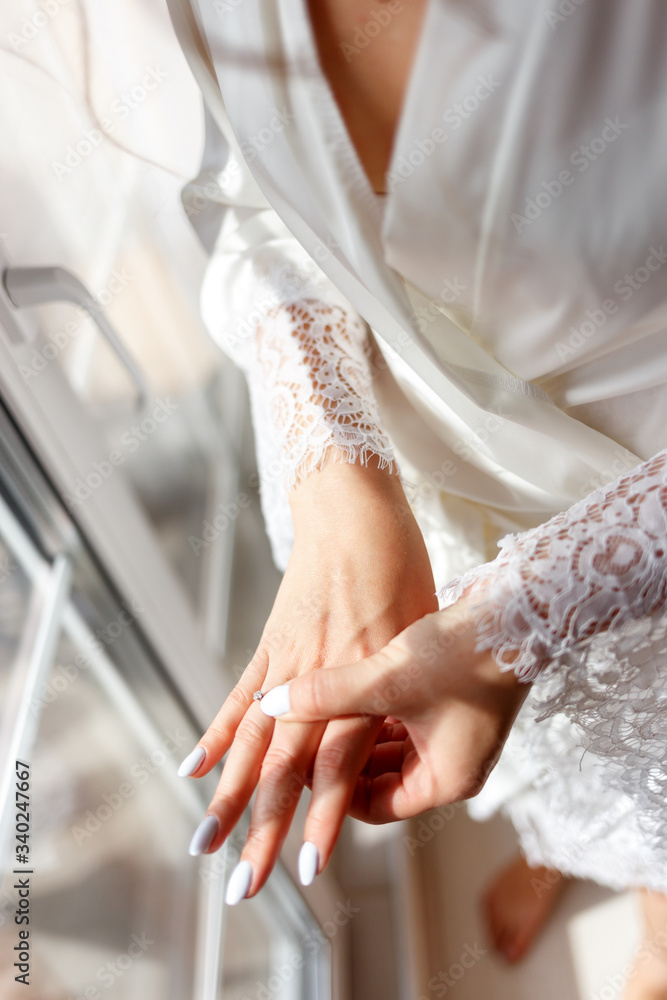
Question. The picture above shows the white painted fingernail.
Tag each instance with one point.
(191, 762)
(309, 860)
(239, 883)
(276, 701)
(203, 836)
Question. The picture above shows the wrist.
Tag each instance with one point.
(334, 493)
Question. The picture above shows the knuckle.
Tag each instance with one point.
(217, 732)
(314, 690)
(251, 732)
(333, 761)
(261, 839)
(224, 805)
(278, 764)
(238, 699)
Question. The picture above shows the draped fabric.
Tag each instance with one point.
(495, 329)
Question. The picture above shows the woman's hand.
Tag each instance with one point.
(450, 710)
(358, 574)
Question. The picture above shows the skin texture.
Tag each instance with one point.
(358, 574)
(368, 80)
(448, 710)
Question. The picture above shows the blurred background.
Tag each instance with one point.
(134, 587)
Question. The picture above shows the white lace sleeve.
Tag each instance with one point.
(590, 575)
(308, 358)
(578, 607)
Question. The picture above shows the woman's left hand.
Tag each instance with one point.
(451, 709)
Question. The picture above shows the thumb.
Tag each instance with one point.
(332, 692)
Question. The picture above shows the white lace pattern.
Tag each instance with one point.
(577, 605)
(590, 570)
(308, 359)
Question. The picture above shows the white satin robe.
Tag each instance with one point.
(514, 277)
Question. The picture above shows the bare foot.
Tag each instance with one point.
(518, 903)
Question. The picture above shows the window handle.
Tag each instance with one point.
(34, 286)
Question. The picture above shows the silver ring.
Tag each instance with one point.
(257, 695)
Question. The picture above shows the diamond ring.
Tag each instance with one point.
(257, 695)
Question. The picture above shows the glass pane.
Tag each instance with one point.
(114, 894)
(256, 962)
(14, 598)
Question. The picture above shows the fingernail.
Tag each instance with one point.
(191, 762)
(309, 860)
(203, 836)
(239, 883)
(276, 701)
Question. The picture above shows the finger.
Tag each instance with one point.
(344, 747)
(219, 736)
(385, 757)
(281, 781)
(355, 689)
(392, 731)
(240, 774)
(394, 795)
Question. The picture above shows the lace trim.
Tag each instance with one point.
(577, 605)
(588, 571)
(308, 361)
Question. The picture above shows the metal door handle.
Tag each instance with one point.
(33, 286)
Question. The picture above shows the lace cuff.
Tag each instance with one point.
(308, 359)
(596, 568)
(310, 377)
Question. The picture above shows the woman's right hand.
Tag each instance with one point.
(358, 574)
(450, 711)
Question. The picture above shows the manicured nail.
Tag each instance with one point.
(309, 861)
(276, 701)
(239, 883)
(191, 762)
(203, 836)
